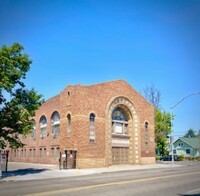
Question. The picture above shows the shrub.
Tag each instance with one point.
(158, 157)
(181, 157)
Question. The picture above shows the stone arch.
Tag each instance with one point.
(132, 140)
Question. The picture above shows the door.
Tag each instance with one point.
(120, 155)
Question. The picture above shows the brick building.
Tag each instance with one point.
(103, 124)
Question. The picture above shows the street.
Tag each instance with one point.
(182, 181)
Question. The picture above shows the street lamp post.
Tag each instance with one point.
(172, 147)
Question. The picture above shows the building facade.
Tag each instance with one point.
(188, 147)
(105, 124)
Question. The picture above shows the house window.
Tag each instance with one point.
(68, 125)
(33, 130)
(174, 151)
(43, 127)
(119, 121)
(180, 144)
(92, 128)
(187, 151)
(55, 124)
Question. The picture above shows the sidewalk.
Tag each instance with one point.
(29, 171)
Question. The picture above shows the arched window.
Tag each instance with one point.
(69, 125)
(55, 123)
(146, 126)
(119, 121)
(119, 114)
(92, 128)
(33, 129)
(146, 134)
(43, 127)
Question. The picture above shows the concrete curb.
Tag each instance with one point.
(49, 171)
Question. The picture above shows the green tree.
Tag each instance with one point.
(17, 104)
(162, 130)
(190, 134)
(162, 119)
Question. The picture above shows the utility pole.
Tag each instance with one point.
(172, 138)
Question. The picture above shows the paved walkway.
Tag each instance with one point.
(29, 171)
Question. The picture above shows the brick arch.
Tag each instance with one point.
(133, 120)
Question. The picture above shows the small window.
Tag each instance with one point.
(92, 128)
(180, 144)
(187, 151)
(58, 151)
(55, 124)
(30, 152)
(44, 152)
(146, 126)
(52, 151)
(40, 152)
(43, 127)
(69, 125)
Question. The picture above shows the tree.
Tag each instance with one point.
(17, 104)
(153, 95)
(190, 133)
(162, 119)
(162, 130)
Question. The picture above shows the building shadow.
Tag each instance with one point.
(22, 172)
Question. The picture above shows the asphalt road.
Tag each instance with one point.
(174, 181)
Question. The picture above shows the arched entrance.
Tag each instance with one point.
(123, 133)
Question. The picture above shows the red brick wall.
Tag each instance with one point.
(80, 101)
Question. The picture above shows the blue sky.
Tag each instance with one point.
(88, 41)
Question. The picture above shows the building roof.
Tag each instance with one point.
(193, 142)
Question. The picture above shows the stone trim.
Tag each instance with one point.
(134, 132)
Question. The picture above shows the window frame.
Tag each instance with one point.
(43, 127)
(92, 134)
(69, 125)
(55, 124)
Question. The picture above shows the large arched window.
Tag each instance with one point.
(43, 127)
(33, 129)
(55, 124)
(69, 125)
(119, 121)
(92, 128)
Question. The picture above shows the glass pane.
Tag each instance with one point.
(118, 114)
(55, 117)
(118, 128)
